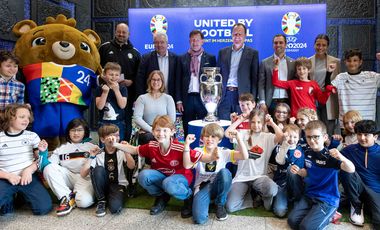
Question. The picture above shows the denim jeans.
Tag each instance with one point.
(217, 190)
(310, 214)
(156, 183)
(34, 194)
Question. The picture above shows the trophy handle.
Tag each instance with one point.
(218, 78)
(203, 78)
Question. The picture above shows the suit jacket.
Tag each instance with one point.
(149, 62)
(332, 105)
(266, 87)
(184, 74)
(248, 70)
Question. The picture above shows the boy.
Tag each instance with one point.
(321, 198)
(111, 98)
(365, 182)
(107, 172)
(167, 175)
(247, 104)
(357, 90)
(12, 90)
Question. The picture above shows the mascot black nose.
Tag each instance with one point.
(64, 44)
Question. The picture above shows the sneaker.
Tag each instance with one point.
(159, 204)
(356, 215)
(100, 209)
(221, 213)
(336, 217)
(186, 210)
(66, 205)
(131, 190)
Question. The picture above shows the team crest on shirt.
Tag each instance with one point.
(25, 142)
(174, 163)
(110, 165)
(297, 153)
(130, 56)
(311, 89)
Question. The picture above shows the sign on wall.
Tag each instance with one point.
(299, 23)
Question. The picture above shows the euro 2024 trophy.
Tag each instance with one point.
(211, 91)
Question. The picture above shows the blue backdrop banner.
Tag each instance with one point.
(299, 23)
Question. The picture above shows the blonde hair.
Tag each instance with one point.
(311, 114)
(353, 115)
(159, 73)
(212, 129)
(111, 66)
(292, 127)
(163, 121)
(10, 115)
(107, 129)
(312, 125)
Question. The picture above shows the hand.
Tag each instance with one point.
(26, 176)
(233, 133)
(13, 179)
(331, 67)
(190, 138)
(110, 139)
(335, 153)
(233, 117)
(42, 146)
(337, 137)
(263, 107)
(276, 61)
(105, 88)
(180, 107)
(281, 126)
(126, 82)
(294, 169)
(285, 139)
(95, 151)
(292, 120)
(123, 142)
(114, 86)
(268, 119)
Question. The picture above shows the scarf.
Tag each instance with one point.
(194, 64)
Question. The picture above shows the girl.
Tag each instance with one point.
(281, 115)
(304, 116)
(212, 180)
(17, 164)
(252, 173)
(63, 174)
(303, 91)
(349, 120)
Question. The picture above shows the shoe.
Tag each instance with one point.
(356, 215)
(100, 209)
(159, 204)
(267, 201)
(221, 213)
(7, 210)
(336, 218)
(131, 190)
(66, 205)
(186, 210)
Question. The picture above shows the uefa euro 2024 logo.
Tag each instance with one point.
(291, 23)
(158, 23)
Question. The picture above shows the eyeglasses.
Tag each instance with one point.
(281, 112)
(76, 130)
(313, 137)
(156, 80)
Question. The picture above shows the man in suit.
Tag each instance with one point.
(159, 59)
(189, 69)
(270, 95)
(239, 66)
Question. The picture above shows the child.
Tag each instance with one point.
(321, 198)
(304, 116)
(212, 180)
(247, 104)
(63, 170)
(290, 185)
(303, 91)
(107, 172)
(167, 175)
(363, 186)
(252, 173)
(12, 91)
(17, 164)
(281, 115)
(357, 90)
(349, 120)
(111, 98)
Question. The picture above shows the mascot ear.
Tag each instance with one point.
(93, 36)
(23, 27)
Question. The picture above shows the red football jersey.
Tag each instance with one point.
(171, 162)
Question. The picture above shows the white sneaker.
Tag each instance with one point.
(357, 216)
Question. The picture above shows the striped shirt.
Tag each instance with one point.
(11, 92)
(357, 92)
(16, 151)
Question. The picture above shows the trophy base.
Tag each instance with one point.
(210, 118)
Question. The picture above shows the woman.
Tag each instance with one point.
(152, 104)
(328, 113)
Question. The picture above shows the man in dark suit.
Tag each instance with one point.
(189, 69)
(239, 66)
(270, 95)
(159, 59)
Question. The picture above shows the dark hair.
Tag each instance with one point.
(195, 32)
(352, 52)
(240, 24)
(324, 37)
(366, 126)
(107, 129)
(76, 122)
(8, 55)
(246, 97)
(279, 35)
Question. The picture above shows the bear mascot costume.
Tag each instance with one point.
(60, 65)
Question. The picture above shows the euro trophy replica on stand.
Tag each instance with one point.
(211, 91)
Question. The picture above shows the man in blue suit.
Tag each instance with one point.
(189, 69)
(159, 59)
(239, 66)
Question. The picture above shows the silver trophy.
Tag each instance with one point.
(211, 91)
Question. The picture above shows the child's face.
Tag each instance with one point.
(293, 137)
(246, 106)
(349, 125)
(353, 64)
(21, 121)
(302, 73)
(302, 121)
(315, 139)
(256, 124)
(210, 141)
(108, 142)
(8, 68)
(111, 76)
(162, 134)
(76, 134)
(366, 139)
(281, 114)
